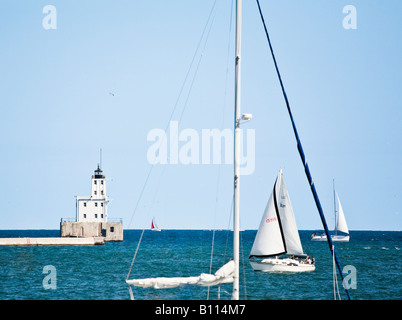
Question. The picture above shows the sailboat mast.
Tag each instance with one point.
(236, 219)
(336, 224)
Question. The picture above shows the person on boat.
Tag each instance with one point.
(313, 260)
(308, 261)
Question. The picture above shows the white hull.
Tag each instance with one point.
(333, 238)
(281, 265)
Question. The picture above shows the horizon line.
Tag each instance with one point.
(202, 229)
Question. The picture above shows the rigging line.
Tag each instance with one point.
(244, 267)
(167, 125)
(335, 279)
(175, 106)
(228, 231)
(191, 87)
(223, 117)
(181, 116)
(222, 122)
(192, 61)
(135, 254)
(224, 104)
(212, 255)
(199, 62)
(302, 156)
(227, 63)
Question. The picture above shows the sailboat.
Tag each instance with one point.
(341, 231)
(277, 246)
(154, 226)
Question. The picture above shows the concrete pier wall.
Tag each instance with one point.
(51, 241)
(110, 231)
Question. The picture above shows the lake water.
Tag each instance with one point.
(99, 272)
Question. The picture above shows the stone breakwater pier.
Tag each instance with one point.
(52, 241)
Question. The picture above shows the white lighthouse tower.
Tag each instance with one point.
(91, 214)
(94, 207)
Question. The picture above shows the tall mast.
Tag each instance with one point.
(235, 294)
(336, 224)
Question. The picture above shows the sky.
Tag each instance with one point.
(85, 76)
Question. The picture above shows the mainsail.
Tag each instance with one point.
(154, 226)
(277, 233)
(341, 223)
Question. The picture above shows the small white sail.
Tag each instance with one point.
(277, 233)
(341, 223)
(154, 226)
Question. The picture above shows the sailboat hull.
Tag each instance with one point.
(281, 265)
(334, 238)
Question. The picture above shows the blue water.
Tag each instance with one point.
(99, 272)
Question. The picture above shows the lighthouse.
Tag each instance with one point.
(92, 215)
(94, 207)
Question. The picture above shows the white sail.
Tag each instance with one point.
(341, 223)
(277, 233)
(268, 240)
(154, 226)
(288, 221)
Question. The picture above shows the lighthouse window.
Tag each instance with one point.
(101, 181)
(95, 192)
(96, 204)
(94, 181)
(102, 192)
(101, 204)
(85, 204)
(96, 216)
(102, 215)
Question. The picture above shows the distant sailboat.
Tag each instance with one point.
(277, 246)
(154, 226)
(340, 226)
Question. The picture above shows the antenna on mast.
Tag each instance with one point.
(100, 158)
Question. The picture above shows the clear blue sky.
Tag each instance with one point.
(344, 86)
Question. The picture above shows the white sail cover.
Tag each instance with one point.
(277, 232)
(224, 275)
(341, 223)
